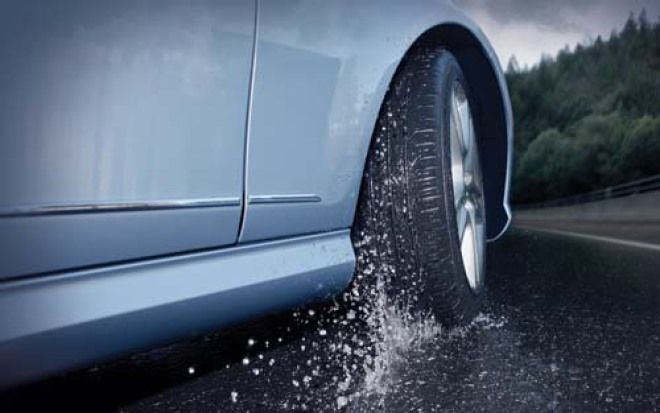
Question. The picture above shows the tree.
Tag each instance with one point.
(589, 117)
(512, 67)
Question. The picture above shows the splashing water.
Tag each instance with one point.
(394, 332)
(360, 347)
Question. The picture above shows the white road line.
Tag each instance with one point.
(627, 243)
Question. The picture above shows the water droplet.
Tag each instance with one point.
(341, 402)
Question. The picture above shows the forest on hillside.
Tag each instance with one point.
(590, 117)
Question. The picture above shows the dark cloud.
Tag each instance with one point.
(559, 14)
(551, 13)
(529, 29)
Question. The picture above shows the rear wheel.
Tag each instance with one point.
(421, 216)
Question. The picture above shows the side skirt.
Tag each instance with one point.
(55, 323)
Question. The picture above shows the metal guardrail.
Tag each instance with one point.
(651, 183)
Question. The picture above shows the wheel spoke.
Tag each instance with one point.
(480, 250)
(457, 160)
(465, 120)
(469, 249)
(459, 185)
(459, 119)
(462, 220)
(471, 157)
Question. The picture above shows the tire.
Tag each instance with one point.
(406, 224)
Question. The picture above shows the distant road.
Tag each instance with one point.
(632, 219)
(647, 232)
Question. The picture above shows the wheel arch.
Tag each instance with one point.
(492, 109)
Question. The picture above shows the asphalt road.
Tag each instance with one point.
(637, 231)
(569, 325)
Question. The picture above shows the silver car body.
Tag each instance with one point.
(169, 167)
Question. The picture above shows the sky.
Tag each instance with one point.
(529, 29)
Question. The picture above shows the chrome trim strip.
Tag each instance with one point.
(248, 123)
(283, 199)
(118, 207)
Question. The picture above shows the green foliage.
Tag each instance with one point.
(640, 149)
(590, 117)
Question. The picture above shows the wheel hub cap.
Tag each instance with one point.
(468, 188)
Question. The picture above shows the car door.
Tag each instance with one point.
(314, 83)
(122, 129)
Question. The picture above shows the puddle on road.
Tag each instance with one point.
(548, 341)
(350, 359)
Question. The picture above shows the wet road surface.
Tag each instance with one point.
(568, 325)
(637, 231)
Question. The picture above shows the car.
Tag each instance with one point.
(169, 168)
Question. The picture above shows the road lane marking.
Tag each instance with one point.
(627, 243)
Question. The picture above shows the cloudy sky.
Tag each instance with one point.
(530, 28)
